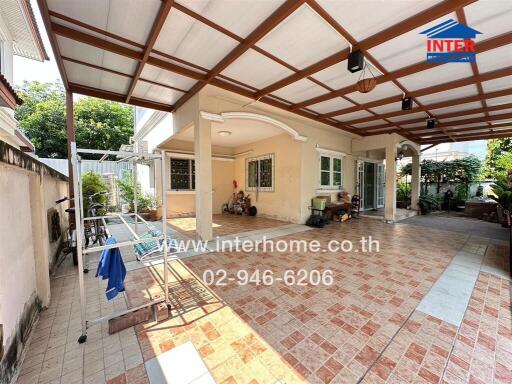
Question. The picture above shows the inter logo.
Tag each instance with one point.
(451, 42)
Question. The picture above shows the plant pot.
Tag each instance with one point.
(153, 215)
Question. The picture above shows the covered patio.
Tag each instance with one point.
(207, 62)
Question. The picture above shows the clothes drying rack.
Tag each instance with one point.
(134, 158)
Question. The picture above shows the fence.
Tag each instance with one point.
(101, 168)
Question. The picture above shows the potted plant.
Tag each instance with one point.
(502, 194)
(427, 203)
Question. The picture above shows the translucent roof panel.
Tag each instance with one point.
(457, 108)
(499, 100)
(94, 78)
(497, 84)
(490, 17)
(162, 76)
(407, 49)
(96, 56)
(264, 71)
(353, 115)
(300, 90)
(370, 124)
(363, 19)
(494, 113)
(449, 119)
(381, 91)
(190, 40)
(437, 75)
(411, 116)
(331, 105)
(115, 16)
(387, 108)
(240, 17)
(156, 93)
(451, 94)
(303, 39)
(494, 59)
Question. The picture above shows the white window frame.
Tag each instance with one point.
(331, 155)
(258, 159)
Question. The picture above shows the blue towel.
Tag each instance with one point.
(111, 267)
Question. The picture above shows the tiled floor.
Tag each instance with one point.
(365, 327)
(226, 224)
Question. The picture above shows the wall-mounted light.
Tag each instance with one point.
(224, 133)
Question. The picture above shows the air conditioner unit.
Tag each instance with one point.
(141, 147)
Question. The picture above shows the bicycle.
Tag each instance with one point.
(95, 232)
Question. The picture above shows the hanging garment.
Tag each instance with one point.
(111, 267)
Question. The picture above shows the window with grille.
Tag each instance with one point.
(260, 173)
(183, 175)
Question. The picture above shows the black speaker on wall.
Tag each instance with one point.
(432, 123)
(406, 104)
(355, 61)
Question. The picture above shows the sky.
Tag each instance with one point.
(32, 70)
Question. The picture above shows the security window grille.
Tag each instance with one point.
(183, 175)
(260, 173)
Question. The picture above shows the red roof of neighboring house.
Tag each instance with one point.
(8, 96)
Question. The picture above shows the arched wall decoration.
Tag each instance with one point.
(220, 118)
(410, 144)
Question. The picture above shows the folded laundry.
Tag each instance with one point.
(111, 267)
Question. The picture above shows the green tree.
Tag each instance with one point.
(497, 161)
(99, 124)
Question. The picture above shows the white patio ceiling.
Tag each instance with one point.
(293, 55)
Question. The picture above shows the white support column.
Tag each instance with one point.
(203, 164)
(390, 201)
(415, 181)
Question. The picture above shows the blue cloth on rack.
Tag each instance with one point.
(111, 267)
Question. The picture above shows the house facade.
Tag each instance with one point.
(219, 143)
(19, 35)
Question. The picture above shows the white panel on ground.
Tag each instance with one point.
(449, 296)
(180, 365)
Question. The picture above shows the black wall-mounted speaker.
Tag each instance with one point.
(406, 104)
(355, 61)
(432, 123)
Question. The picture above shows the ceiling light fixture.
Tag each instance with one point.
(355, 61)
(224, 133)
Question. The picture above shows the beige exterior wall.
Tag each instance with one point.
(282, 202)
(27, 192)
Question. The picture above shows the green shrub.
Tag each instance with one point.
(91, 184)
(145, 201)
